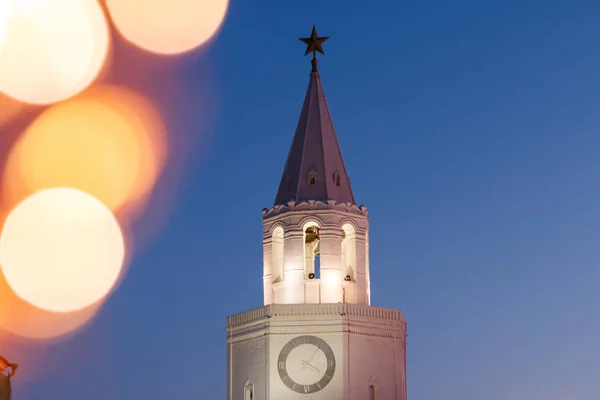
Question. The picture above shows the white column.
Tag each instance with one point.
(293, 291)
(362, 295)
(331, 266)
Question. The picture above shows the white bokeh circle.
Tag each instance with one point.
(61, 249)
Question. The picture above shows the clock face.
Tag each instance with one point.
(306, 364)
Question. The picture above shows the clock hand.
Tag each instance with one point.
(313, 355)
(309, 365)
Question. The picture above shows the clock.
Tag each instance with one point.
(306, 364)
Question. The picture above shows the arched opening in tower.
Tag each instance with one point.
(277, 254)
(312, 252)
(348, 252)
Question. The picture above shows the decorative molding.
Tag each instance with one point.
(246, 337)
(316, 330)
(374, 332)
(351, 222)
(294, 221)
(313, 205)
(276, 225)
(313, 310)
(311, 220)
(316, 318)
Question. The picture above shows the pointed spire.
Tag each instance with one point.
(315, 169)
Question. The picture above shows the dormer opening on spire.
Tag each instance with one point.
(248, 390)
(312, 177)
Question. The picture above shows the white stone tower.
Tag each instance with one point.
(317, 336)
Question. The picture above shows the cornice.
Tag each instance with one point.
(313, 205)
(316, 318)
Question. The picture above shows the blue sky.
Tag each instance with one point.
(470, 130)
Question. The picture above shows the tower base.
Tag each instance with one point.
(317, 352)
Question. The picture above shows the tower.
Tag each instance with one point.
(317, 337)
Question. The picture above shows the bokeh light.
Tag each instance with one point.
(9, 108)
(52, 49)
(109, 142)
(4, 12)
(25, 320)
(167, 26)
(61, 250)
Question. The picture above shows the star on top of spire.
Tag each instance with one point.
(313, 44)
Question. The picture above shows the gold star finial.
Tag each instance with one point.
(313, 44)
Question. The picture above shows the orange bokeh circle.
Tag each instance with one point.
(23, 319)
(109, 142)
